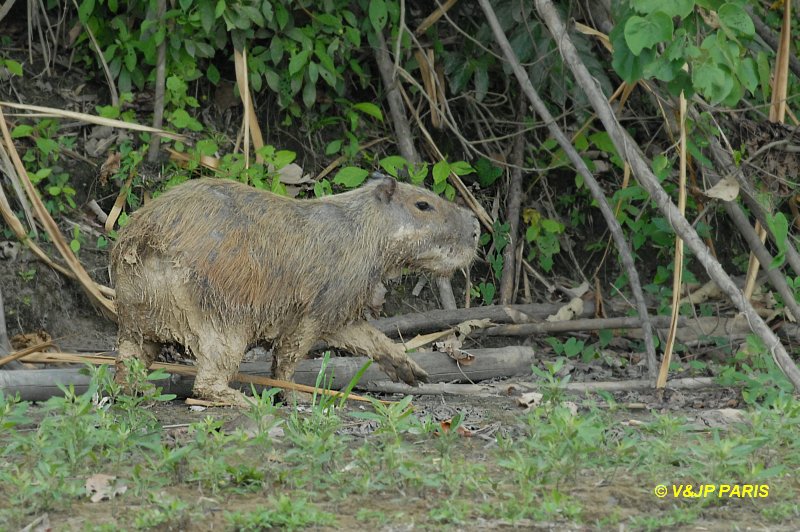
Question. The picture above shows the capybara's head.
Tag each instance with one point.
(425, 231)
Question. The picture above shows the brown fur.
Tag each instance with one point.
(216, 266)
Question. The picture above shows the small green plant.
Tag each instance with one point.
(552, 384)
(27, 275)
(42, 160)
(77, 239)
(393, 419)
(284, 512)
(542, 235)
(573, 347)
(763, 380)
(166, 513)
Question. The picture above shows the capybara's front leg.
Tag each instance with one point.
(361, 338)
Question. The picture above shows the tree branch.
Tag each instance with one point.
(597, 192)
(631, 153)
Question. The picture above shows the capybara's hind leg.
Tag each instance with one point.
(129, 349)
(218, 358)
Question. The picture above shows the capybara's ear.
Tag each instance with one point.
(385, 189)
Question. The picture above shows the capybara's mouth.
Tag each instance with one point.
(444, 261)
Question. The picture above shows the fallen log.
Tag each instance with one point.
(39, 385)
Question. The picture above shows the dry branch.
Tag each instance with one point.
(628, 149)
(423, 322)
(623, 247)
(513, 200)
(502, 390)
(158, 100)
(5, 344)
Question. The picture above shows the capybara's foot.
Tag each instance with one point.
(399, 366)
(222, 394)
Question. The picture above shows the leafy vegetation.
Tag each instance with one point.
(293, 470)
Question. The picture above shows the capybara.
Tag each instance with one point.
(216, 266)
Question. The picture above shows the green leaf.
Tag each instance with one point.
(130, 59)
(298, 62)
(461, 168)
(85, 9)
(747, 74)
(206, 147)
(333, 147)
(54, 190)
(207, 16)
(329, 20)
(47, 146)
(182, 120)
(629, 66)
(712, 81)
(440, 172)
(645, 32)
(393, 164)
(213, 74)
(309, 94)
(779, 226)
(487, 172)
(22, 130)
(378, 15)
(283, 157)
(552, 226)
(14, 67)
(763, 75)
(273, 80)
(673, 8)
(735, 20)
(370, 109)
(487, 292)
(350, 176)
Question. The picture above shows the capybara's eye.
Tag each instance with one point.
(423, 206)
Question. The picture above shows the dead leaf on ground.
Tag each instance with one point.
(452, 346)
(24, 341)
(529, 400)
(568, 311)
(101, 487)
(466, 327)
(109, 167)
(447, 426)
